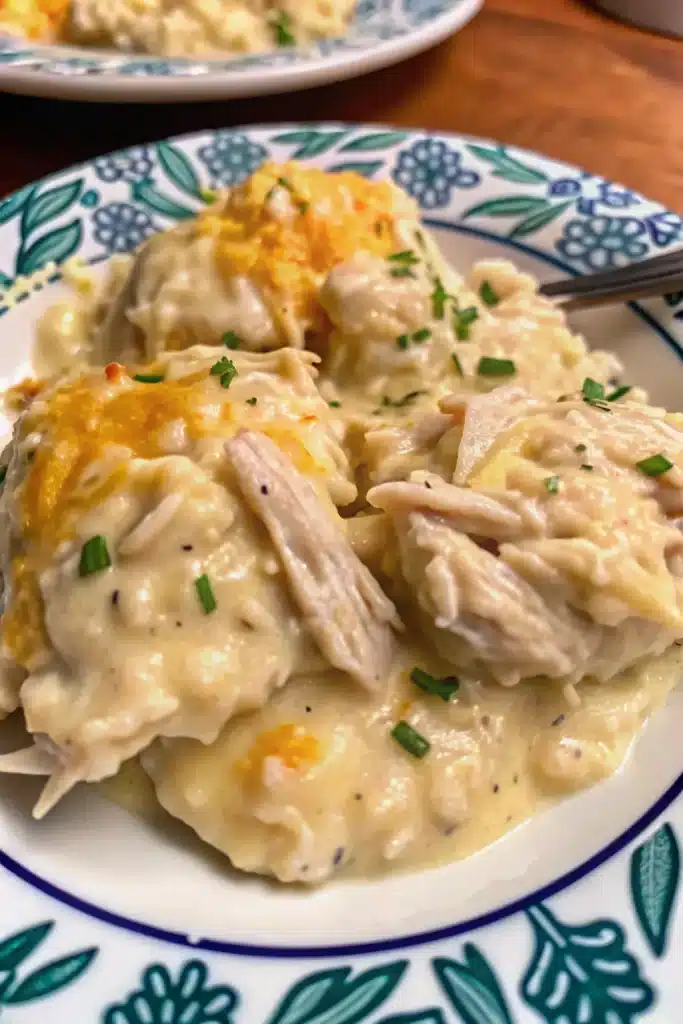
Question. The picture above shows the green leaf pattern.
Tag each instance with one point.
(655, 876)
(367, 168)
(335, 997)
(43, 981)
(15, 949)
(432, 1016)
(53, 247)
(148, 195)
(309, 143)
(583, 974)
(46, 206)
(49, 979)
(508, 167)
(179, 169)
(539, 219)
(373, 142)
(535, 212)
(15, 203)
(472, 988)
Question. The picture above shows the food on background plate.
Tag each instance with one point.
(359, 559)
(180, 28)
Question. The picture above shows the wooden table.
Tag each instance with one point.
(553, 75)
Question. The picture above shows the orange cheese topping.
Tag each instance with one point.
(34, 19)
(296, 748)
(334, 216)
(78, 422)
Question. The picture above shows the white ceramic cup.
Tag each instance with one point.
(660, 15)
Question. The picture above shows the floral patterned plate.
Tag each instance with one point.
(575, 918)
(383, 32)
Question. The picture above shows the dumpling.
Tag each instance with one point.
(315, 781)
(143, 597)
(252, 263)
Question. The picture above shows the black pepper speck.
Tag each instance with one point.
(358, 796)
(115, 598)
(559, 720)
(428, 485)
(338, 856)
(308, 708)
(178, 624)
(496, 787)
(264, 489)
(187, 547)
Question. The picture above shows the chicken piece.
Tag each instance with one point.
(561, 557)
(344, 607)
(484, 418)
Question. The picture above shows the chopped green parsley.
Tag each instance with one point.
(282, 27)
(94, 556)
(618, 393)
(655, 465)
(226, 370)
(490, 367)
(231, 340)
(149, 378)
(406, 258)
(444, 688)
(487, 294)
(205, 593)
(410, 739)
(463, 320)
(439, 297)
(401, 272)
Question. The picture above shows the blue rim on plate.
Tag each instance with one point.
(543, 956)
(383, 32)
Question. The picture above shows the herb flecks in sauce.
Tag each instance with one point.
(410, 739)
(444, 688)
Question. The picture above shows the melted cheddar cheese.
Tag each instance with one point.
(289, 225)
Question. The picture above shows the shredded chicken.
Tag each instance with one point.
(485, 417)
(344, 606)
(547, 563)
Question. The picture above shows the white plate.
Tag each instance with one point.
(383, 32)
(573, 918)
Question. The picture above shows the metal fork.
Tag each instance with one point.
(660, 275)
